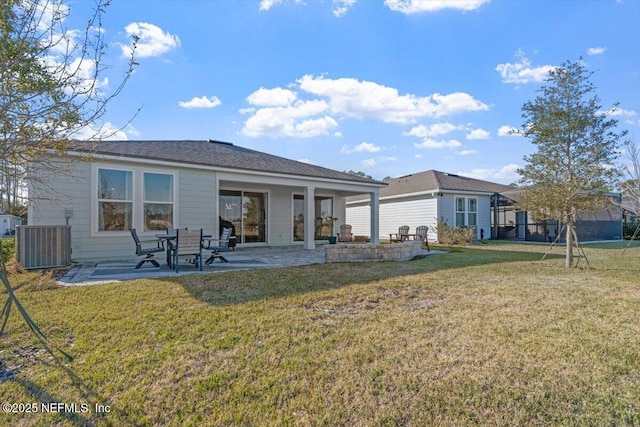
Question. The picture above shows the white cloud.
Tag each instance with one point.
(362, 147)
(596, 51)
(506, 130)
(305, 160)
(521, 71)
(364, 99)
(418, 6)
(466, 152)
(369, 163)
(283, 109)
(296, 120)
(106, 131)
(418, 156)
(435, 129)
(202, 102)
(432, 143)
(341, 7)
(618, 112)
(152, 41)
(276, 97)
(478, 134)
(268, 4)
(507, 174)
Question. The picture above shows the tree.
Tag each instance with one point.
(52, 87)
(576, 150)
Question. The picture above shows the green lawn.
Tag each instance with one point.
(486, 335)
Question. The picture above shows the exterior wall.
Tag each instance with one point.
(412, 211)
(194, 204)
(359, 216)
(447, 211)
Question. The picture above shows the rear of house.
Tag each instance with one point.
(155, 185)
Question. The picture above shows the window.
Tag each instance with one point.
(466, 212)
(115, 200)
(135, 198)
(158, 201)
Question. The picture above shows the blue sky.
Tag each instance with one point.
(384, 87)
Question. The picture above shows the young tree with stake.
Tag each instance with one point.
(577, 146)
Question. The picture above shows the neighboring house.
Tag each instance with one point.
(8, 223)
(424, 198)
(154, 185)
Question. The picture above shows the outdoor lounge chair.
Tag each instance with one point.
(401, 236)
(188, 243)
(218, 245)
(422, 234)
(147, 248)
(345, 233)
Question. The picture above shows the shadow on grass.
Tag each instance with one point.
(92, 409)
(227, 289)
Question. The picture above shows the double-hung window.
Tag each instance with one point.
(158, 201)
(115, 200)
(466, 211)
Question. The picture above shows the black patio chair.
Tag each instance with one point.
(147, 248)
(220, 245)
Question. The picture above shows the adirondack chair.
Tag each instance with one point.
(422, 234)
(401, 236)
(345, 233)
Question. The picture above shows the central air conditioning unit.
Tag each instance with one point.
(43, 246)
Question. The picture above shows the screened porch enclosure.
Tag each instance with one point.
(509, 223)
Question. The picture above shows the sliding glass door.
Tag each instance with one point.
(247, 212)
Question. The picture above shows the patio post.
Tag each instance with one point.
(309, 218)
(375, 217)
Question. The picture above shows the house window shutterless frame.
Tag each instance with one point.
(466, 211)
(124, 198)
(115, 200)
(158, 201)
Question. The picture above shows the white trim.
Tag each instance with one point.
(423, 193)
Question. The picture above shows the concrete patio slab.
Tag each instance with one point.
(241, 259)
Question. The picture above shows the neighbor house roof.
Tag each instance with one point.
(435, 181)
(214, 154)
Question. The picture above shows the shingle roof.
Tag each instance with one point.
(214, 154)
(436, 181)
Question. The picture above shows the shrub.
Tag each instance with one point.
(448, 235)
(8, 248)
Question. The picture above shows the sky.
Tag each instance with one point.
(385, 87)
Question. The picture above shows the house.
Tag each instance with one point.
(425, 197)
(114, 186)
(8, 223)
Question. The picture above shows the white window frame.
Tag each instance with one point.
(466, 210)
(137, 221)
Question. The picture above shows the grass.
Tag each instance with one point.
(485, 335)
